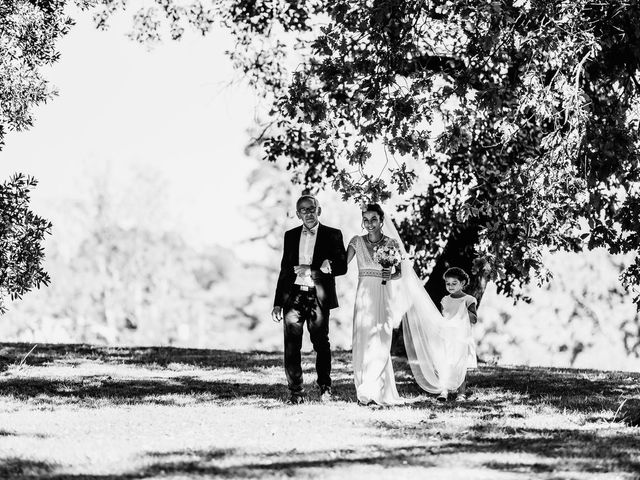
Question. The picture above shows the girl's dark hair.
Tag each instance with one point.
(458, 274)
(374, 207)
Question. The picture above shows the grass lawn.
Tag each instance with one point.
(86, 412)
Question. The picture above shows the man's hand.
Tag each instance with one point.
(276, 314)
(302, 270)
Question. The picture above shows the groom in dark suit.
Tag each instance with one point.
(313, 255)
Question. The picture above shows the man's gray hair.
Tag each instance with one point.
(307, 197)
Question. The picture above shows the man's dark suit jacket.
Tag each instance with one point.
(329, 246)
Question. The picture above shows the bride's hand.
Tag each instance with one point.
(326, 267)
(386, 273)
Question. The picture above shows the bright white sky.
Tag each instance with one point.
(171, 108)
(180, 111)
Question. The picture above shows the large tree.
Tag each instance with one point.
(29, 31)
(523, 114)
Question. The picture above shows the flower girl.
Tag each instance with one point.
(460, 306)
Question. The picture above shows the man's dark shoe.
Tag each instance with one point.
(296, 399)
(326, 395)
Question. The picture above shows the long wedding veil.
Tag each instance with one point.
(436, 348)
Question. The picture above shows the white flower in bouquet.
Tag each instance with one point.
(387, 256)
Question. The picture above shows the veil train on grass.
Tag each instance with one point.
(436, 348)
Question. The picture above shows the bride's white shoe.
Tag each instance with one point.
(444, 395)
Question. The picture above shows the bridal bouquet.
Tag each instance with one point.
(387, 256)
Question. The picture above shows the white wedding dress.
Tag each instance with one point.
(437, 348)
(373, 322)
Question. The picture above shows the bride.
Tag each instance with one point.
(434, 347)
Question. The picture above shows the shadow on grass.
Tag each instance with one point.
(241, 377)
(288, 464)
(586, 391)
(95, 392)
(161, 391)
(148, 357)
(528, 451)
(544, 451)
(571, 389)
(20, 468)
(230, 464)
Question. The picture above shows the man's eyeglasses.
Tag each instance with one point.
(304, 211)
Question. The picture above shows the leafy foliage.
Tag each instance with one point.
(523, 115)
(29, 30)
(21, 236)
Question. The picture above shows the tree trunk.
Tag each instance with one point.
(458, 252)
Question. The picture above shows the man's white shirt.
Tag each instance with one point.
(305, 254)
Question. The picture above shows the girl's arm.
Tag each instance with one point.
(473, 315)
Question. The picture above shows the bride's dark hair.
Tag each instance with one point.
(374, 207)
